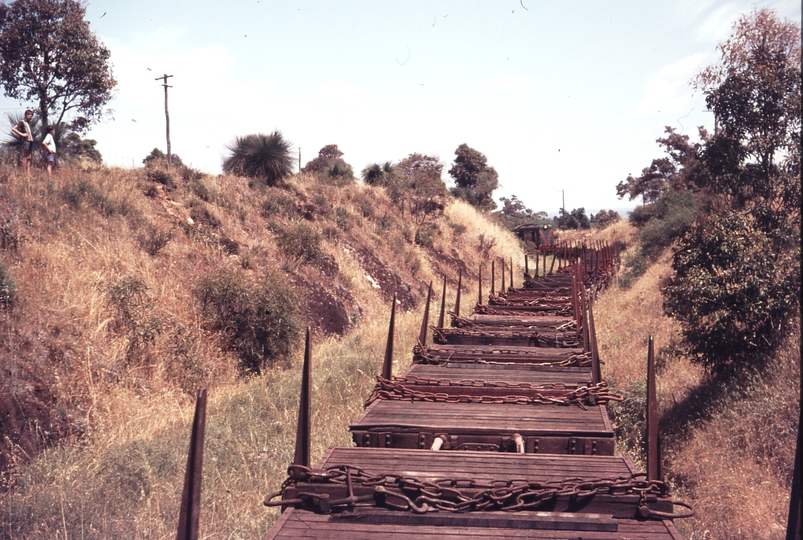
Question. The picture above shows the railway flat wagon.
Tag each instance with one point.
(388, 493)
(498, 429)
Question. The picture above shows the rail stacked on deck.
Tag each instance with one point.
(499, 428)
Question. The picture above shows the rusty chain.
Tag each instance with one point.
(463, 322)
(405, 493)
(402, 389)
(422, 355)
(490, 309)
(536, 338)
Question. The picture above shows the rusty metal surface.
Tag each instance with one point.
(486, 388)
(190, 510)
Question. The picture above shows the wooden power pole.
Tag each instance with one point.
(167, 118)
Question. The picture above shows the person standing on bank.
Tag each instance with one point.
(23, 131)
(50, 147)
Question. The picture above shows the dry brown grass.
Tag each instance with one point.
(123, 401)
(730, 447)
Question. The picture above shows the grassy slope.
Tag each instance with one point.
(728, 449)
(114, 406)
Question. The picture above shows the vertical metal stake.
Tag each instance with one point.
(459, 289)
(422, 336)
(190, 510)
(387, 365)
(479, 286)
(443, 304)
(302, 455)
(653, 441)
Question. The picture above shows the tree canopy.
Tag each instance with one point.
(576, 219)
(50, 57)
(679, 169)
(474, 180)
(419, 190)
(326, 155)
(737, 278)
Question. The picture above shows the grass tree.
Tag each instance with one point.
(375, 174)
(265, 157)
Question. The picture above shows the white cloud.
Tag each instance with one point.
(506, 80)
(669, 86)
(718, 24)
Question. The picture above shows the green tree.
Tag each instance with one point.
(737, 270)
(265, 157)
(157, 158)
(326, 155)
(49, 56)
(680, 169)
(755, 96)
(474, 180)
(514, 213)
(604, 218)
(576, 219)
(732, 295)
(419, 190)
(75, 149)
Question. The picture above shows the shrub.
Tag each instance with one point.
(277, 204)
(129, 299)
(257, 319)
(424, 234)
(661, 223)
(153, 239)
(340, 172)
(298, 241)
(342, 219)
(201, 214)
(8, 287)
(200, 189)
(260, 156)
(162, 176)
(157, 158)
(733, 296)
(85, 192)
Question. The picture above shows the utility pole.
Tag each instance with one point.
(167, 118)
(299, 159)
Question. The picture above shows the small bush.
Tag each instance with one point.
(8, 287)
(331, 233)
(200, 190)
(83, 192)
(257, 319)
(298, 242)
(132, 305)
(153, 239)
(200, 214)
(342, 219)
(424, 234)
(161, 176)
(10, 234)
(230, 247)
(276, 204)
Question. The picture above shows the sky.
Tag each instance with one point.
(565, 98)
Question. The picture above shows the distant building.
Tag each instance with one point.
(540, 235)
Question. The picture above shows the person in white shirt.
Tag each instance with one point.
(50, 146)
